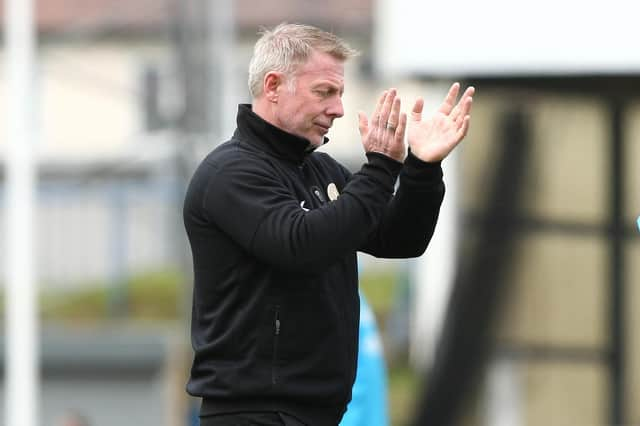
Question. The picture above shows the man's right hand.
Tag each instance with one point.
(385, 133)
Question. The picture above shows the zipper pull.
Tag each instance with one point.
(319, 195)
(277, 324)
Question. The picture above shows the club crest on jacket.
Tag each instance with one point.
(332, 192)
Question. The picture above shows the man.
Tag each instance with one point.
(274, 228)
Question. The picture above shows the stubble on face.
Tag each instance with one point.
(311, 98)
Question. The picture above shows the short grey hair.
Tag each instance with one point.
(286, 47)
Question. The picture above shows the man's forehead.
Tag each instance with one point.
(322, 77)
(322, 63)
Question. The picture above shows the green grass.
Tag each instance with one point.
(379, 288)
(404, 389)
(147, 296)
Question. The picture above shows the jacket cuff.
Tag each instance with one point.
(382, 168)
(419, 171)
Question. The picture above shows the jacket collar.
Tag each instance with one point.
(264, 135)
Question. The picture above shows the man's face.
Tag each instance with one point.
(309, 110)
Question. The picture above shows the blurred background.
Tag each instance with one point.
(521, 313)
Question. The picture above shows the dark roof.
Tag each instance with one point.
(77, 15)
(336, 15)
(127, 16)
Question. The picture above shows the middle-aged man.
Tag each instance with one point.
(274, 228)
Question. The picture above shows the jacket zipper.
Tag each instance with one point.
(276, 335)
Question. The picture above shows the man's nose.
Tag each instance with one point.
(336, 109)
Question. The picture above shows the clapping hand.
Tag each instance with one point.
(385, 133)
(432, 139)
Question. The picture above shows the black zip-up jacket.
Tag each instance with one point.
(275, 301)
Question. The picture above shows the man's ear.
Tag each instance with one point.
(272, 81)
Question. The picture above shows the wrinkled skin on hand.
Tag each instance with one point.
(430, 139)
(385, 133)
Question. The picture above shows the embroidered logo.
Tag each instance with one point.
(332, 191)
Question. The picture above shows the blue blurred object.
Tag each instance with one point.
(638, 222)
(193, 415)
(368, 406)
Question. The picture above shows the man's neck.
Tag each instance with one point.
(263, 109)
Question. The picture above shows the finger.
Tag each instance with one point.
(395, 113)
(462, 131)
(469, 92)
(460, 112)
(386, 107)
(363, 123)
(450, 99)
(416, 112)
(464, 105)
(466, 98)
(400, 130)
(375, 120)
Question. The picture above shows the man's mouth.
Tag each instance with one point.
(324, 127)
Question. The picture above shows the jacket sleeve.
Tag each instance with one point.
(409, 220)
(260, 212)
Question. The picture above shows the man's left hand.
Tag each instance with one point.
(432, 139)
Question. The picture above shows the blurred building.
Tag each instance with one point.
(129, 96)
(553, 311)
(128, 99)
(96, 151)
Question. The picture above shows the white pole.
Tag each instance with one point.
(223, 94)
(504, 393)
(21, 327)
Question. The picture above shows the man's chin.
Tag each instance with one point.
(317, 141)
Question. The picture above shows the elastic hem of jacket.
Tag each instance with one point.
(421, 176)
(419, 169)
(312, 415)
(384, 169)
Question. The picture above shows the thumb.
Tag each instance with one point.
(416, 113)
(363, 123)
